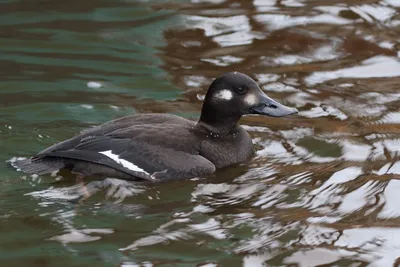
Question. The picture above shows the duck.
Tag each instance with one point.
(159, 147)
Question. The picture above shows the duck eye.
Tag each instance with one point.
(241, 90)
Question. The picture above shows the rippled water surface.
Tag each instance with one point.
(323, 189)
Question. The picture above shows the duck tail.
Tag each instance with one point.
(34, 166)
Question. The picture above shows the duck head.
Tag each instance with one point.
(235, 94)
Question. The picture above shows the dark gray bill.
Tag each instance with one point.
(268, 106)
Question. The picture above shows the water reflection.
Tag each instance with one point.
(321, 189)
(379, 66)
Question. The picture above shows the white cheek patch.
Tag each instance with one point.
(251, 99)
(125, 163)
(224, 94)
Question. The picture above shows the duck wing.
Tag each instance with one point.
(132, 152)
(120, 124)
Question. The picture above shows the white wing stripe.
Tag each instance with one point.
(125, 163)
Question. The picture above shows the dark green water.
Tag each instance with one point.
(322, 190)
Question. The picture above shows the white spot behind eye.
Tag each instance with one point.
(251, 99)
(224, 94)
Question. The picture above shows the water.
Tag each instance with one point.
(322, 190)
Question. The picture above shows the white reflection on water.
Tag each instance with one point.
(389, 168)
(315, 257)
(94, 85)
(355, 151)
(359, 198)
(394, 3)
(114, 188)
(63, 193)
(263, 78)
(322, 53)
(391, 145)
(278, 21)
(391, 117)
(377, 244)
(390, 196)
(374, 12)
(329, 191)
(380, 98)
(257, 260)
(223, 60)
(226, 31)
(133, 264)
(378, 66)
(324, 111)
(212, 227)
(279, 87)
(265, 5)
(271, 196)
(81, 236)
(339, 177)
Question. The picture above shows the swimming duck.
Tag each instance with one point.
(156, 147)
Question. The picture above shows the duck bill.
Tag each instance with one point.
(269, 107)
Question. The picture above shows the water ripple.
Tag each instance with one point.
(321, 189)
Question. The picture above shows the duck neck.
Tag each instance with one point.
(217, 122)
